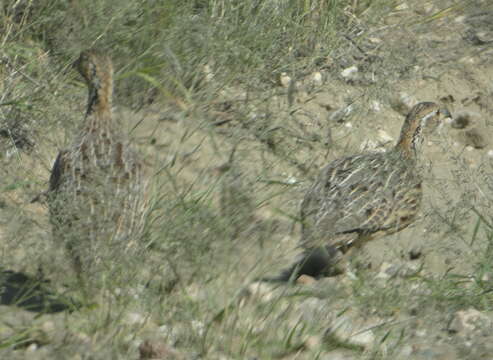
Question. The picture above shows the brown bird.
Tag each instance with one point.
(96, 190)
(362, 197)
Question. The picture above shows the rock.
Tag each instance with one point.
(209, 74)
(261, 291)
(476, 38)
(376, 106)
(403, 103)
(32, 348)
(485, 37)
(384, 137)
(410, 269)
(388, 271)
(306, 280)
(317, 78)
(350, 74)
(401, 7)
(415, 253)
(402, 270)
(198, 327)
(469, 322)
(351, 331)
(425, 9)
(285, 80)
(340, 115)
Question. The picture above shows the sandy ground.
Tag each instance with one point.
(284, 138)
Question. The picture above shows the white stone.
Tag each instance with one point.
(198, 327)
(341, 114)
(261, 291)
(317, 78)
(388, 271)
(209, 75)
(403, 6)
(407, 100)
(460, 19)
(384, 136)
(467, 321)
(376, 106)
(345, 330)
(349, 72)
(291, 180)
(32, 348)
(285, 80)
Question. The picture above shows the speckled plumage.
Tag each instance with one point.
(361, 197)
(96, 189)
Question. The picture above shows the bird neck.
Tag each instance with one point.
(99, 106)
(410, 145)
(411, 139)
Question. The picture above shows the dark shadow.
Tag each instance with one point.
(317, 263)
(32, 293)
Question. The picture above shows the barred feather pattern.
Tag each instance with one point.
(362, 197)
(97, 188)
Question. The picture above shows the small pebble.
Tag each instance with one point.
(306, 280)
(349, 71)
(317, 78)
(376, 106)
(285, 80)
(384, 136)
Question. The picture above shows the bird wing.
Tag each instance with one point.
(353, 196)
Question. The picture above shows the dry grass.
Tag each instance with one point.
(195, 81)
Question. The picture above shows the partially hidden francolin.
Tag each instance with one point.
(362, 197)
(96, 189)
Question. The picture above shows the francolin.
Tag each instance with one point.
(362, 197)
(96, 189)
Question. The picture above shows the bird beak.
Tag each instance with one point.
(445, 112)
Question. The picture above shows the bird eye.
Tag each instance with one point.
(444, 112)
